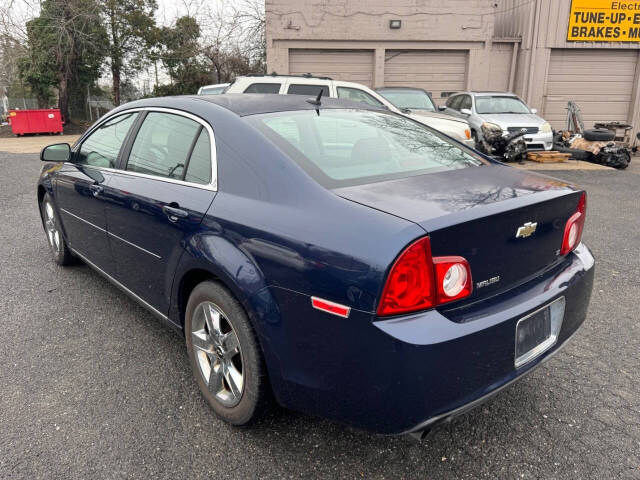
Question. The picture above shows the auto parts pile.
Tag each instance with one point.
(603, 144)
(507, 148)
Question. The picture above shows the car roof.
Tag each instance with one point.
(401, 88)
(244, 104)
(502, 94)
(276, 75)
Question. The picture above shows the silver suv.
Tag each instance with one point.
(504, 110)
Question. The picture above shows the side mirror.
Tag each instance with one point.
(534, 110)
(442, 108)
(58, 152)
(465, 111)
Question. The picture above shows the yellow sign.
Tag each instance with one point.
(604, 21)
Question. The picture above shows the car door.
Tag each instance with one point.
(164, 187)
(80, 188)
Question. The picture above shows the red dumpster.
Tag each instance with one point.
(35, 121)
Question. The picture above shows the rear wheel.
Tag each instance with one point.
(225, 355)
(61, 253)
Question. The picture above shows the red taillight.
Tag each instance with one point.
(453, 278)
(417, 281)
(575, 225)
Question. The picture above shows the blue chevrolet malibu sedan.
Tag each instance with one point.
(343, 260)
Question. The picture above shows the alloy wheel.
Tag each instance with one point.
(218, 354)
(53, 234)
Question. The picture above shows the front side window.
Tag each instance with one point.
(164, 146)
(358, 95)
(263, 88)
(465, 102)
(303, 89)
(411, 99)
(498, 104)
(349, 147)
(454, 102)
(102, 147)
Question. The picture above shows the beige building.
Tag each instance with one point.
(451, 45)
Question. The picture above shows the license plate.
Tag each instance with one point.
(538, 331)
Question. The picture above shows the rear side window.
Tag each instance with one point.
(164, 145)
(101, 148)
(263, 88)
(199, 166)
(301, 89)
(358, 95)
(349, 147)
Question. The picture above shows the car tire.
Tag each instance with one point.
(598, 135)
(51, 222)
(576, 153)
(216, 367)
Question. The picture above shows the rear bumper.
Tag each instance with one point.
(409, 373)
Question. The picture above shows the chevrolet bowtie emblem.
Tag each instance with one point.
(526, 230)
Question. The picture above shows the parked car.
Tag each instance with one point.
(339, 257)
(311, 86)
(419, 105)
(216, 89)
(501, 110)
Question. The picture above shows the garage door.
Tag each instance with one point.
(599, 81)
(436, 71)
(346, 65)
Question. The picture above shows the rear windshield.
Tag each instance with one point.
(349, 147)
(412, 99)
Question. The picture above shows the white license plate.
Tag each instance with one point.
(538, 331)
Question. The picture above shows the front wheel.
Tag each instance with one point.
(225, 356)
(61, 253)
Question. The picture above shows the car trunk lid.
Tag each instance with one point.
(476, 213)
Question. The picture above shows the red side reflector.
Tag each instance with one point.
(330, 307)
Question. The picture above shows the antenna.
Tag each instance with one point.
(316, 101)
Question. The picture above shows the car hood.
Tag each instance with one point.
(442, 199)
(506, 120)
(446, 125)
(441, 116)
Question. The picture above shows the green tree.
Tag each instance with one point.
(130, 27)
(65, 48)
(182, 59)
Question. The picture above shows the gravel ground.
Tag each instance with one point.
(93, 386)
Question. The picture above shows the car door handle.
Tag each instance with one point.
(174, 213)
(96, 189)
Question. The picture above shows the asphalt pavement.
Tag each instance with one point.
(93, 386)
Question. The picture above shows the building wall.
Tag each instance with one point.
(462, 25)
(508, 45)
(542, 26)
